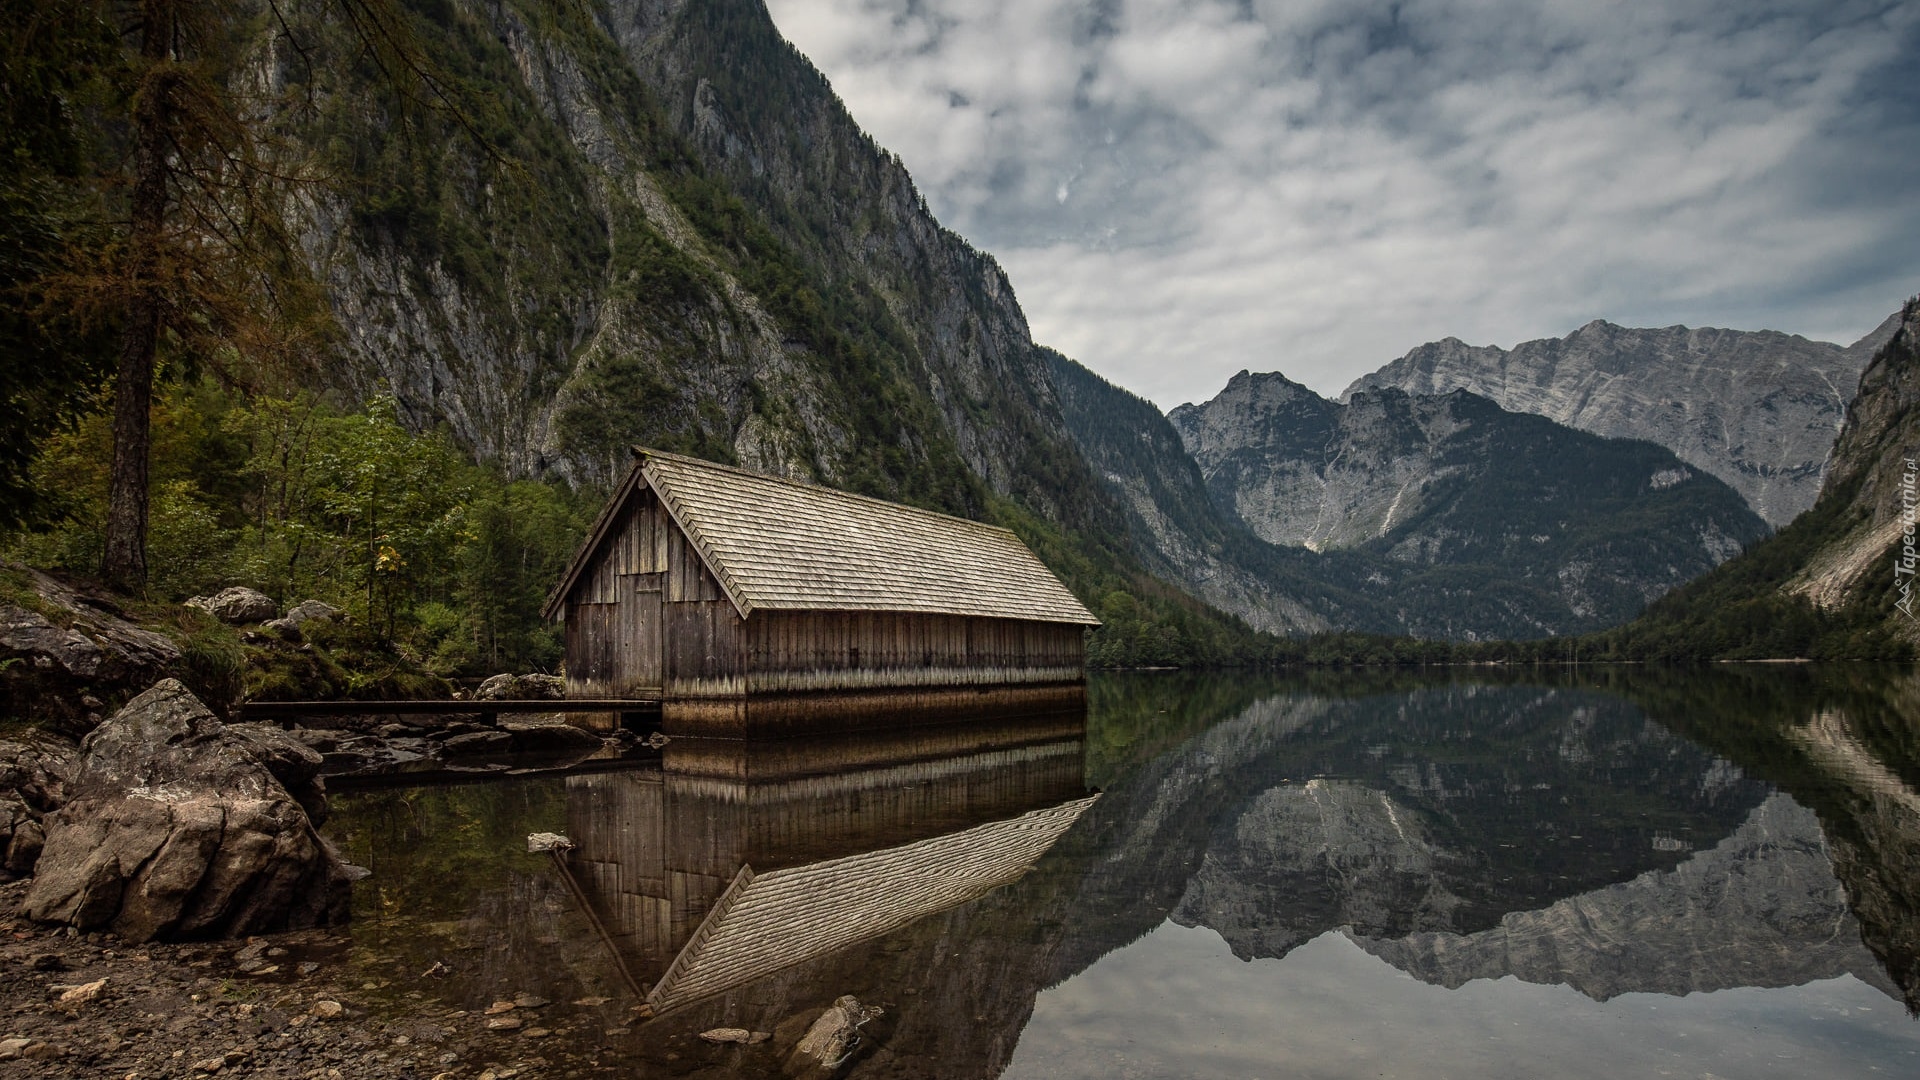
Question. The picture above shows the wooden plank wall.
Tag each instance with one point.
(799, 652)
(705, 640)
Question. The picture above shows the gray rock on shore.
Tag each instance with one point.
(178, 826)
(509, 687)
(237, 605)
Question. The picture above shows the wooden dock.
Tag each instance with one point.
(289, 710)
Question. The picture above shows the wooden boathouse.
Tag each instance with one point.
(752, 605)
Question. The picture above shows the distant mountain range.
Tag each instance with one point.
(1416, 505)
(1435, 516)
(1758, 409)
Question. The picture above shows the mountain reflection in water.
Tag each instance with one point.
(1629, 835)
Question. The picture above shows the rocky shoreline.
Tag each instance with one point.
(287, 1005)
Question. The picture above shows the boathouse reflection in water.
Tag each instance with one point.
(1634, 832)
(736, 859)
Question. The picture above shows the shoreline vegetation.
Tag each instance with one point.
(440, 566)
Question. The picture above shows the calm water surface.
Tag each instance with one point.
(1628, 872)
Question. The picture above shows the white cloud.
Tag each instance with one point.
(1183, 188)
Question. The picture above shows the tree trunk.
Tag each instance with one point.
(125, 560)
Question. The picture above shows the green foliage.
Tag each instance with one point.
(213, 663)
(438, 561)
(51, 364)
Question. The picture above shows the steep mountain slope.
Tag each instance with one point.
(1759, 409)
(690, 242)
(1177, 530)
(1472, 521)
(1838, 581)
(1875, 477)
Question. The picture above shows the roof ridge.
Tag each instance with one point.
(643, 453)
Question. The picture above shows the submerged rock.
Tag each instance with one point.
(476, 743)
(832, 1039)
(547, 735)
(178, 826)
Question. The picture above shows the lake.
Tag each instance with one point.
(1480, 873)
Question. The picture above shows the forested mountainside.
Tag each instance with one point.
(694, 246)
(1758, 409)
(1438, 517)
(1838, 581)
(630, 223)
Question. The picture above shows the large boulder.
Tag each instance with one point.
(237, 605)
(290, 626)
(177, 826)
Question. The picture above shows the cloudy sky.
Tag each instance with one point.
(1180, 189)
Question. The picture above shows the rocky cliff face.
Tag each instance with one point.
(1758, 409)
(691, 245)
(1872, 492)
(851, 208)
(1554, 529)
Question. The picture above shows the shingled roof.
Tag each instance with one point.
(782, 545)
(766, 922)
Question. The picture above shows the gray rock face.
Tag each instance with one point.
(969, 336)
(237, 605)
(1875, 477)
(34, 772)
(1766, 891)
(177, 826)
(68, 669)
(1304, 471)
(565, 353)
(522, 688)
(1557, 530)
(1177, 530)
(1757, 409)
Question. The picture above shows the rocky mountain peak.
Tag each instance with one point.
(1758, 409)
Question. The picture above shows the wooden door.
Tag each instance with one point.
(642, 644)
